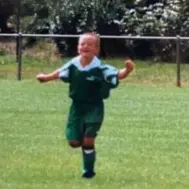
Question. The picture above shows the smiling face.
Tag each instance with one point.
(88, 46)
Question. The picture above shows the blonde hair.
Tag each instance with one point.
(93, 34)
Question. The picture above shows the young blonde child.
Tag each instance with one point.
(90, 82)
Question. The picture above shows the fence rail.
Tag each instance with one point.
(20, 36)
(101, 36)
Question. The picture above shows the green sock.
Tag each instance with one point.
(89, 157)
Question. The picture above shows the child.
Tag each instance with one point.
(90, 82)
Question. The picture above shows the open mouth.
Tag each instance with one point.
(85, 51)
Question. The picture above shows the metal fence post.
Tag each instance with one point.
(18, 9)
(178, 61)
(19, 65)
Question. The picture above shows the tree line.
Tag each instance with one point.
(113, 17)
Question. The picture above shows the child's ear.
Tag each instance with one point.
(98, 51)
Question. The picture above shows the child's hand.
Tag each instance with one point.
(129, 64)
(41, 78)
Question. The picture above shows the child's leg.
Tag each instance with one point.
(88, 149)
(89, 156)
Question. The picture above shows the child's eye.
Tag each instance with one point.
(86, 44)
(89, 44)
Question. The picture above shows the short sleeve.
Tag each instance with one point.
(64, 74)
(111, 75)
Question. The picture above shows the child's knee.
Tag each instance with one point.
(74, 143)
(88, 142)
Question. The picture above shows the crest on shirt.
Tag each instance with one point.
(90, 78)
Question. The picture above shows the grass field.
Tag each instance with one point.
(143, 143)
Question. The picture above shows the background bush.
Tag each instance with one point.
(114, 17)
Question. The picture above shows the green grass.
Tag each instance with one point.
(147, 72)
(143, 143)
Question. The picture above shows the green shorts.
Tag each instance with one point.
(84, 120)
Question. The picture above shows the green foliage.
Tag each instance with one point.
(83, 16)
(115, 17)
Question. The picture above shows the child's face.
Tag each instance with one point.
(87, 46)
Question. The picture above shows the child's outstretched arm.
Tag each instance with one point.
(48, 77)
(124, 72)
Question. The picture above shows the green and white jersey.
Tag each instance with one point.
(90, 83)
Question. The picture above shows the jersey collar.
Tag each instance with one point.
(94, 63)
